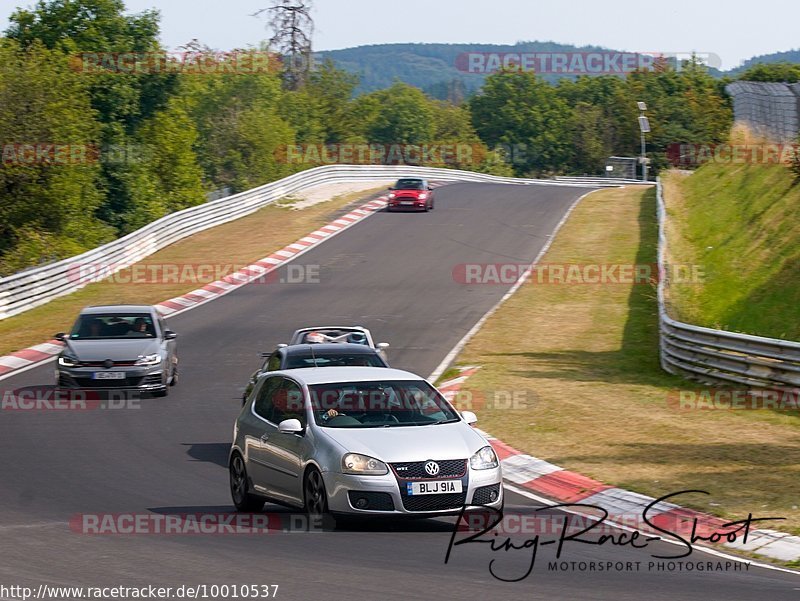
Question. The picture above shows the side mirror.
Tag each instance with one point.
(290, 426)
(382, 346)
(281, 346)
(390, 188)
(170, 335)
(469, 417)
(430, 187)
(62, 336)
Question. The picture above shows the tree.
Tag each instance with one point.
(523, 112)
(241, 130)
(49, 175)
(92, 33)
(402, 114)
(773, 72)
(332, 90)
(590, 139)
(292, 28)
(169, 176)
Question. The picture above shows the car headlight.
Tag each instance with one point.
(353, 463)
(423, 196)
(485, 459)
(392, 194)
(153, 359)
(68, 361)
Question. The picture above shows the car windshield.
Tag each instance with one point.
(383, 404)
(104, 326)
(410, 184)
(333, 360)
(327, 336)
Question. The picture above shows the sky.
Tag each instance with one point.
(733, 30)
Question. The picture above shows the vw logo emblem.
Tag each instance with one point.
(108, 364)
(432, 468)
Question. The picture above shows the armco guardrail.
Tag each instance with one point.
(716, 356)
(609, 181)
(28, 289)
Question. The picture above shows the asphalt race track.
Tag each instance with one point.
(391, 273)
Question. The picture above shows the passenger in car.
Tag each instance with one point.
(140, 326)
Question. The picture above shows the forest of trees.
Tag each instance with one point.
(158, 139)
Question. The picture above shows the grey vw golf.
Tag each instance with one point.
(359, 441)
(119, 347)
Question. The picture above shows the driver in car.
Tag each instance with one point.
(377, 402)
(347, 400)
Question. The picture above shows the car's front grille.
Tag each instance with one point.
(484, 494)
(152, 380)
(66, 381)
(434, 502)
(124, 383)
(376, 501)
(415, 470)
(103, 363)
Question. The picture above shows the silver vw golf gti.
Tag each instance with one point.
(359, 441)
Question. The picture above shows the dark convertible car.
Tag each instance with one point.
(298, 356)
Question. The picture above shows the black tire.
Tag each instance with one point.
(314, 494)
(174, 380)
(242, 498)
(162, 392)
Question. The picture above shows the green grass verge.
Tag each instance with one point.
(741, 225)
(582, 362)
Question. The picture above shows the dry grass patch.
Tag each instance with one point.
(584, 359)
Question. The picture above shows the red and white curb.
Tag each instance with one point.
(30, 357)
(267, 265)
(624, 507)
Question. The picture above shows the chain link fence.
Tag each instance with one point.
(771, 110)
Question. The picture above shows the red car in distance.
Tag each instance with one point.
(411, 193)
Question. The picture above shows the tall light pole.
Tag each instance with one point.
(644, 128)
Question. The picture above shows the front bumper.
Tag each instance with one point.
(384, 497)
(143, 379)
(407, 203)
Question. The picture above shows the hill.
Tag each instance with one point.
(435, 68)
(440, 69)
